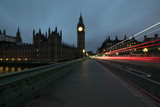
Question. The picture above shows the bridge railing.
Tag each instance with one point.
(18, 87)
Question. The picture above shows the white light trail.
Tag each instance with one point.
(137, 34)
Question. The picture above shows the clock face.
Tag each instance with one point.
(80, 29)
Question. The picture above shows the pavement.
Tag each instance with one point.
(90, 85)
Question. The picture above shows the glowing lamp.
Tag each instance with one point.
(19, 69)
(83, 50)
(6, 69)
(12, 69)
(145, 50)
(86, 54)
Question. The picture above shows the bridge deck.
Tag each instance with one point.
(90, 85)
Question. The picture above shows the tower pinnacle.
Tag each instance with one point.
(18, 36)
(80, 19)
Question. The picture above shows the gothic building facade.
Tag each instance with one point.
(46, 48)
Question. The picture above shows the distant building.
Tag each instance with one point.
(108, 46)
(153, 41)
(46, 48)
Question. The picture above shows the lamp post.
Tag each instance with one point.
(83, 52)
(145, 50)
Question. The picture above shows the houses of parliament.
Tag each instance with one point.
(46, 48)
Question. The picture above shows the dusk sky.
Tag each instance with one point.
(102, 18)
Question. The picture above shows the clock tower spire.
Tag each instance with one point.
(81, 37)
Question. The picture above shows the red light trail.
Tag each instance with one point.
(137, 59)
(138, 34)
(136, 47)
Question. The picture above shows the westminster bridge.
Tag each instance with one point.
(88, 83)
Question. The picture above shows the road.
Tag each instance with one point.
(145, 77)
(90, 84)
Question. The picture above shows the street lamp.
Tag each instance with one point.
(83, 52)
(145, 50)
(87, 54)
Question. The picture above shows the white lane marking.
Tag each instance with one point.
(144, 73)
(141, 76)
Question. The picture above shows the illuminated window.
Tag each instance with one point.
(1, 68)
(25, 59)
(12, 59)
(25, 68)
(19, 59)
(6, 69)
(37, 54)
(37, 50)
(1, 59)
(19, 68)
(12, 69)
(6, 59)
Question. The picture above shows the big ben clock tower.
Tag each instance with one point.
(81, 37)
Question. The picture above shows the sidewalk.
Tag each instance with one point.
(90, 85)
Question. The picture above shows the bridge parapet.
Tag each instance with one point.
(18, 87)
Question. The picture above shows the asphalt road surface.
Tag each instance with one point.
(145, 76)
(91, 85)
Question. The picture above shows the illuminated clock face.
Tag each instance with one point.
(80, 29)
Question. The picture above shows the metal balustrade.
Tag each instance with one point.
(18, 87)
